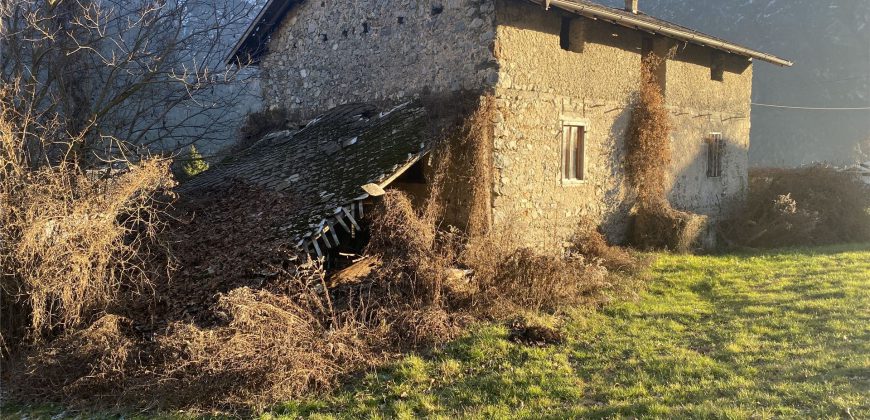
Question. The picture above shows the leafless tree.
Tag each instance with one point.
(124, 75)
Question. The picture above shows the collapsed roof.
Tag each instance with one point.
(254, 43)
(330, 166)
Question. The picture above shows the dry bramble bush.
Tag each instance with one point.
(70, 239)
(814, 205)
(648, 151)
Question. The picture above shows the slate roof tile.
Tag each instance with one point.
(326, 164)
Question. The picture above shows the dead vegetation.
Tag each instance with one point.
(464, 122)
(243, 321)
(798, 207)
(70, 239)
(663, 227)
(648, 149)
(656, 224)
(591, 243)
(267, 346)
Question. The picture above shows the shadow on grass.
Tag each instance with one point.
(762, 329)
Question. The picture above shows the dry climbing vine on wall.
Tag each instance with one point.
(648, 157)
(648, 154)
(466, 154)
(478, 132)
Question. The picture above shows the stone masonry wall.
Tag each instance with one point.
(540, 84)
(700, 106)
(328, 53)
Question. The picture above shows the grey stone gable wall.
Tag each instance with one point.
(331, 52)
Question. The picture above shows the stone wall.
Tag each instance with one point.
(328, 53)
(540, 84)
(700, 106)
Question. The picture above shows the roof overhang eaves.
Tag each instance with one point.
(248, 49)
(607, 14)
(260, 29)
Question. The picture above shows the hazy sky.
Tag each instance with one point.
(829, 41)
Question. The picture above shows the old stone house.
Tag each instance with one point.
(558, 77)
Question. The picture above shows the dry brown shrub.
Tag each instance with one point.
(508, 278)
(273, 348)
(270, 345)
(88, 363)
(806, 206)
(529, 281)
(465, 126)
(665, 228)
(70, 238)
(478, 131)
(410, 284)
(591, 243)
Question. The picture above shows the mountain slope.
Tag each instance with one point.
(829, 41)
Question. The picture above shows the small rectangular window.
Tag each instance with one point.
(573, 152)
(715, 150)
(565, 34)
(717, 66)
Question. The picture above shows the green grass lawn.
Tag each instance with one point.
(784, 334)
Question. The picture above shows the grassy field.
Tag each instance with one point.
(784, 334)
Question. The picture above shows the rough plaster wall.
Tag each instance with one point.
(322, 55)
(540, 84)
(700, 106)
